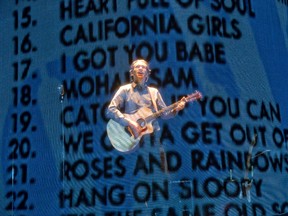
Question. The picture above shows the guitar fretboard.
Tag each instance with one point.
(161, 112)
(192, 97)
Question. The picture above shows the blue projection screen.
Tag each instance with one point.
(62, 62)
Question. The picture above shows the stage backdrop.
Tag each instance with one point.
(61, 63)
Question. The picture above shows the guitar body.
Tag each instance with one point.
(121, 138)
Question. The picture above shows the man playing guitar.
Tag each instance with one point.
(131, 97)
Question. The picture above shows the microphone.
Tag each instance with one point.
(61, 91)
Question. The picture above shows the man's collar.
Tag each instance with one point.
(138, 86)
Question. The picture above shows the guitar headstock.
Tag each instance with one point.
(194, 96)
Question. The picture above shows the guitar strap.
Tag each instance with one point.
(153, 99)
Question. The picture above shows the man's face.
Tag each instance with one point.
(140, 72)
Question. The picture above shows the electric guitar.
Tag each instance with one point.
(126, 139)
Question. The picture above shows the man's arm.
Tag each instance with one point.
(117, 102)
(113, 112)
(161, 104)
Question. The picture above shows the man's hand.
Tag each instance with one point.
(180, 105)
(135, 128)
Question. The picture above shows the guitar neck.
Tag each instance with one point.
(195, 96)
(161, 112)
